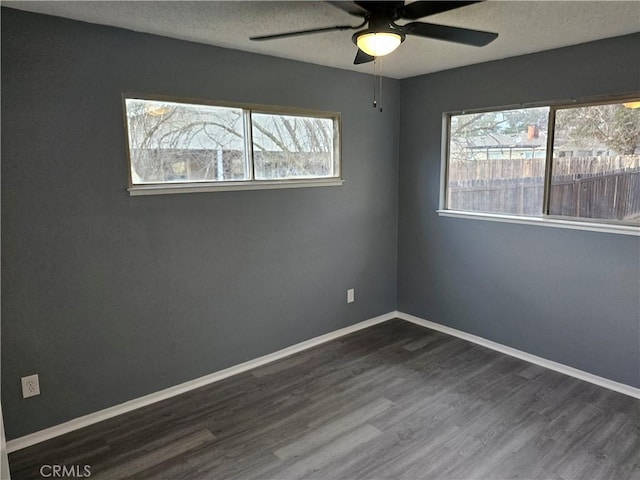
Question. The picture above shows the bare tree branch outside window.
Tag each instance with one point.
(292, 147)
(173, 142)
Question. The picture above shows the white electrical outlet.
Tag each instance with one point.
(30, 386)
(351, 295)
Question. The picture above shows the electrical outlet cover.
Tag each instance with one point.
(350, 295)
(30, 386)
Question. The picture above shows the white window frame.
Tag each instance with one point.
(251, 183)
(546, 220)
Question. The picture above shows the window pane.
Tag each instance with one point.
(177, 142)
(497, 160)
(596, 163)
(286, 146)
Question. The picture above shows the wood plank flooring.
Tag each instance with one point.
(394, 401)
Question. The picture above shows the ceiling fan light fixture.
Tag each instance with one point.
(378, 44)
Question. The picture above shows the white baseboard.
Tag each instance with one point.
(95, 417)
(543, 362)
(92, 418)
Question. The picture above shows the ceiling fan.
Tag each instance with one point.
(383, 35)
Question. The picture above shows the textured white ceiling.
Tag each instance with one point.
(524, 27)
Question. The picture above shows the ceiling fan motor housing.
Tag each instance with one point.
(380, 22)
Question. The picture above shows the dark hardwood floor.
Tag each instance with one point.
(394, 401)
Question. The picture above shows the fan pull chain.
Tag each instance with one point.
(375, 102)
(380, 91)
(377, 83)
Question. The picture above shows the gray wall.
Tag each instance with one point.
(109, 297)
(566, 295)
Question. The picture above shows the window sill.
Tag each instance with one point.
(545, 222)
(165, 189)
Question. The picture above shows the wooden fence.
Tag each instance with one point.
(515, 196)
(495, 169)
(534, 167)
(606, 187)
(612, 196)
